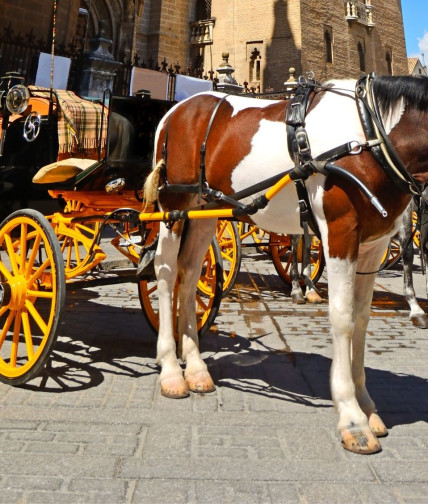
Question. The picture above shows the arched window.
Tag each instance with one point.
(328, 41)
(255, 65)
(203, 10)
(388, 59)
(361, 57)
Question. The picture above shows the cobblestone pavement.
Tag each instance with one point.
(95, 429)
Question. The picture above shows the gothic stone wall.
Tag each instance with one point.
(37, 15)
(386, 36)
(291, 34)
(271, 27)
(164, 31)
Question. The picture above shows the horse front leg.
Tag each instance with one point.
(369, 260)
(353, 425)
(297, 296)
(199, 235)
(418, 317)
(311, 293)
(171, 377)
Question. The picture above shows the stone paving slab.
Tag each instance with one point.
(95, 429)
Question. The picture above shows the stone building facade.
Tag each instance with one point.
(332, 38)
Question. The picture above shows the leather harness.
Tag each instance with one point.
(377, 143)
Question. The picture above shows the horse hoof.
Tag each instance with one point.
(313, 297)
(420, 321)
(200, 382)
(297, 298)
(359, 439)
(174, 388)
(377, 426)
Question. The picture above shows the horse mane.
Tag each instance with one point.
(389, 91)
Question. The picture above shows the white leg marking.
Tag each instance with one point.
(166, 273)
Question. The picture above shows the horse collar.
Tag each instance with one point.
(383, 150)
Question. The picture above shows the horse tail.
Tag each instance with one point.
(152, 183)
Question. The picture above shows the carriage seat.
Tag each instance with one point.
(63, 171)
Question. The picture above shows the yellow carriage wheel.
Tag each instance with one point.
(132, 239)
(261, 239)
(207, 298)
(392, 253)
(280, 246)
(78, 241)
(231, 252)
(32, 295)
(417, 235)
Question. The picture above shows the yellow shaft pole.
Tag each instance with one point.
(191, 214)
(209, 214)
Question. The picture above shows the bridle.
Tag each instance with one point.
(384, 152)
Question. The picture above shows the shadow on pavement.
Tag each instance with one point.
(303, 378)
(97, 340)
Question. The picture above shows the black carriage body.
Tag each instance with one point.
(21, 159)
(131, 132)
(128, 153)
(20, 162)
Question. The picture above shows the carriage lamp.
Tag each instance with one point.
(14, 98)
(7, 82)
(17, 99)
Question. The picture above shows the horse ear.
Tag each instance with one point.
(152, 183)
(421, 177)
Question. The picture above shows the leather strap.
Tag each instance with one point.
(384, 152)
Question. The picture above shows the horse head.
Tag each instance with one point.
(403, 106)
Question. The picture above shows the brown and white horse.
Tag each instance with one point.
(247, 143)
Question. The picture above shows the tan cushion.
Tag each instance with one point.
(60, 171)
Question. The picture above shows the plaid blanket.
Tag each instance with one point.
(79, 121)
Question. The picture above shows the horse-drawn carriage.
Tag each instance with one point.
(87, 163)
(95, 181)
(211, 173)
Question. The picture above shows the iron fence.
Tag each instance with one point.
(20, 53)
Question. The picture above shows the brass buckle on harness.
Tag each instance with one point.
(303, 147)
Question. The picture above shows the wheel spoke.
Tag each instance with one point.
(36, 316)
(38, 273)
(12, 254)
(22, 268)
(6, 327)
(45, 294)
(27, 335)
(5, 272)
(67, 242)
(33, 255)
(15, 340)
(202, 304)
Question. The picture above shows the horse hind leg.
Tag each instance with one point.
(198, 237)
(171, 377)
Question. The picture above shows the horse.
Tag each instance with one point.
(368, 147)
